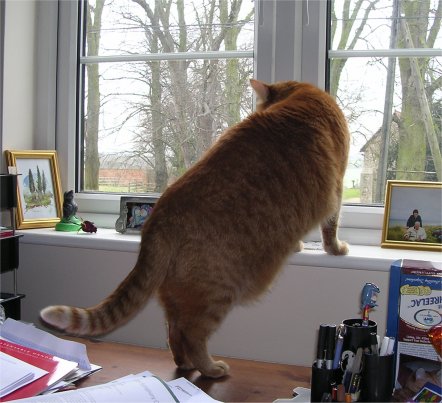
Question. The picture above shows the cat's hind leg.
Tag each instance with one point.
(177, 347)
(332, 245)
(191, 322)
(195, 340)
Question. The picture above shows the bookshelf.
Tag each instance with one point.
(9, 244)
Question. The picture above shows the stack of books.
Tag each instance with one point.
(34, 362)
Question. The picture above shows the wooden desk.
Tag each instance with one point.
(248, 381)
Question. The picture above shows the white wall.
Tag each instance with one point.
(19, 75)
(281, 327)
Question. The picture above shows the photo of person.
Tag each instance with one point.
(413, 215)
(415, 233)
(413, 218)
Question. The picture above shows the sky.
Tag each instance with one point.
(405, 199)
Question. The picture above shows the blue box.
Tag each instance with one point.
(414, 307)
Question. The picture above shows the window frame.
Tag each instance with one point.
(302, 60)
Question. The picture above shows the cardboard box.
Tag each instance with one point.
(414, 307)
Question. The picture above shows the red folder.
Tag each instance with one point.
(58, 369)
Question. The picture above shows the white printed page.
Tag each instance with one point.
(187, 392)
(16, 373)
(146, 390)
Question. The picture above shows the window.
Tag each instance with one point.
(161, 81)
(385, 65)
(160, 103)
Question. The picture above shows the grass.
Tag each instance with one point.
(397, 233)
(351, 193)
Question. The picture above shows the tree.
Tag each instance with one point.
(183, 108)
(31, 181)
(44, 183)
(419, 83)
(91, 125)
(415, 150)
(39, 185)
(353, 21)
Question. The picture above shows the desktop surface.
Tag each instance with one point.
(248, 381)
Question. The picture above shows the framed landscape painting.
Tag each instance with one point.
(39, 201)
(413, 215)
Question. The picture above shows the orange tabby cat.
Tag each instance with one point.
(218, 236)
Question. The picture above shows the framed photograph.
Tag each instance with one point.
(39, 201)
(134, 211)
(413, 216)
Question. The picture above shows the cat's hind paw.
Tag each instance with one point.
(216, 370)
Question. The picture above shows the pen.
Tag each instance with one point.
(354, 385)
(390, 347)
(330, 346)
(338, 347)
(384, 346)
(321, 346)
(374, 344)
(355, 369)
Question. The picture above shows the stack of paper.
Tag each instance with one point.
(16, 373)
(33, 361)
(143, 387)
(48, 364)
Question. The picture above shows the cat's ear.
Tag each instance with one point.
(261, 89)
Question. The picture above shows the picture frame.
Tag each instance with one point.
(134, 211)
(402, 198)
(39, 200)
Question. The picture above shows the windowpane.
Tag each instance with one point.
(128, 28)
(147, 115)
(153, 126)
(393, 104)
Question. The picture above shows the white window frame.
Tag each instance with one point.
(278, 56)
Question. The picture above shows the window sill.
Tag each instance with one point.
(361, 257)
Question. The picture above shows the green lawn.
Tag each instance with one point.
(351, 193)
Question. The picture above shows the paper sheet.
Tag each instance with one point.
(16, 373)
(144, 390)
(29, 336)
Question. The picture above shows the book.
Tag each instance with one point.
(414, 307)
(57, 369)
(6, 232)
(15, 373)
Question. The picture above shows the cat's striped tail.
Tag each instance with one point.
(129, 297)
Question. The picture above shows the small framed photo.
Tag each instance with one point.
(134, 211)
(413, 216)
(39, 202)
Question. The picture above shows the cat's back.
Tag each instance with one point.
(292, 150)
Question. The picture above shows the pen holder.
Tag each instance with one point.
(355, 336)
(322, 381)
(377, 380)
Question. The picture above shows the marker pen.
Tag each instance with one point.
(390, 347)
(330, 346)
(322, 337)
(384, 345)
(338, 351)
(374, 344)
